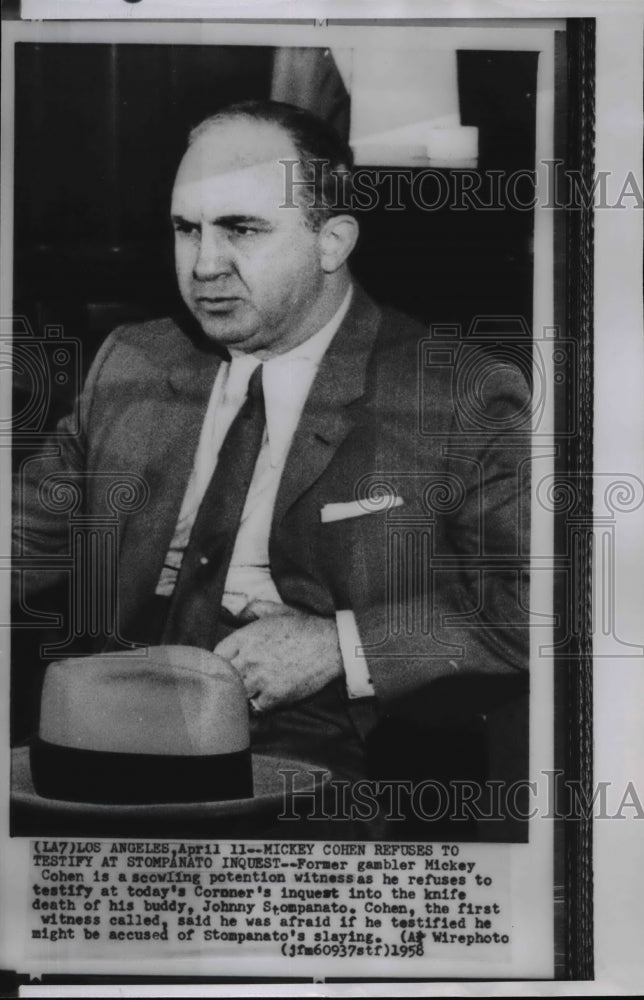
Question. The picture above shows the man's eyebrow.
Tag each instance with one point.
(180, 219)
(227, 221)
(242, 220)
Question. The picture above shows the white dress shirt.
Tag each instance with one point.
(287, 380)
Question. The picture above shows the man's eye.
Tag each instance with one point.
(240, 229)
(186, 228)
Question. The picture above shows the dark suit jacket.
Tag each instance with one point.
(436, 583)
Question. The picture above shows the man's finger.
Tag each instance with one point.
(261, 700)
(228, 647)
(255, 688)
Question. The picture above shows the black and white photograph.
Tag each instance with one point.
(347, 595)
(298, 322)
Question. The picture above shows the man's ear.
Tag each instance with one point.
(336, 239)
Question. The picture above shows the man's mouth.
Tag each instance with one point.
(217, 303)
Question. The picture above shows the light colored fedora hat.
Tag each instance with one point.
(158, 724)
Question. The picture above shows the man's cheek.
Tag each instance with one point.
(183, 278)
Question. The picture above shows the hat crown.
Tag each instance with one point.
(163, 700)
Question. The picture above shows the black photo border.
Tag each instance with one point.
(573, 674)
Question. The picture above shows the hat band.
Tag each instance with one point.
(77, 775)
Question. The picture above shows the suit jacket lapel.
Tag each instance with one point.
(164, 457)
(164, 453)
(326, 419)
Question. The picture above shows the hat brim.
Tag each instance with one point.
(34, 815)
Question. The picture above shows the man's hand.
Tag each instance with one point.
(284, 655)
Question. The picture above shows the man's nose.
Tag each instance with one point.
(214, 257)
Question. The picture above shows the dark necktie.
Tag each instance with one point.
(195, 605)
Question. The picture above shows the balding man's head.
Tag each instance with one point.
(324, 159)
(256, 274)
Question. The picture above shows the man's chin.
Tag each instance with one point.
(225, 333)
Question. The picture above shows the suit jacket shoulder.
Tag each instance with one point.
(157, 346)
(454, 386)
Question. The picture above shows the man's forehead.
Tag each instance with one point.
(233, 161)
(260, 187)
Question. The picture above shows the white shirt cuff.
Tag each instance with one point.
(355, 666)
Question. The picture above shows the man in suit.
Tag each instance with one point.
(372, 555)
